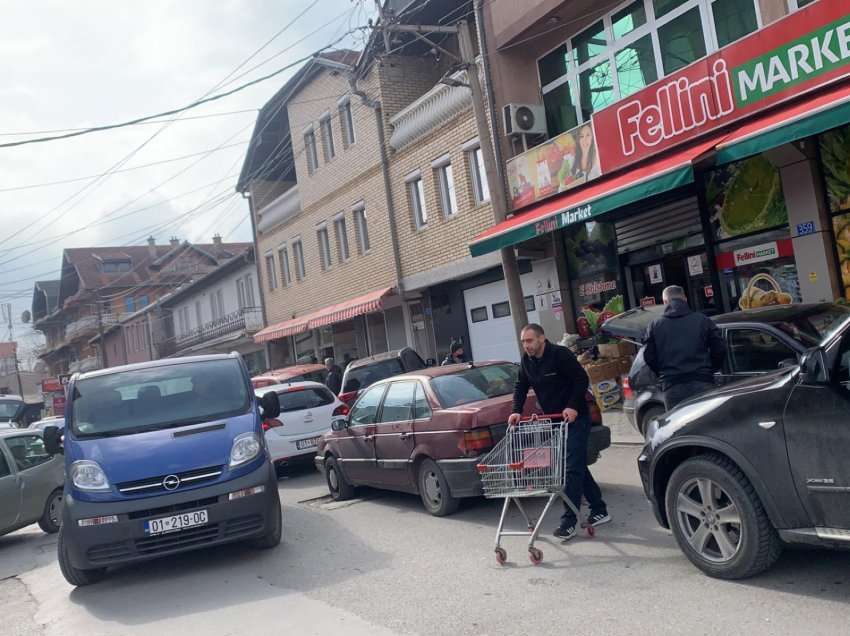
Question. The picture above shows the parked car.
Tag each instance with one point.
(58, 421)
(758, 341)
(295, 373)
(306, 412)
(160, 458)
(30, 482)
(424, 433)
(363, 373)
(12, 409)
(742, 470)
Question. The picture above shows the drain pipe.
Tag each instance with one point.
(478, 6)
(376, 107)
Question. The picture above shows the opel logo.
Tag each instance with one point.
(172, 482)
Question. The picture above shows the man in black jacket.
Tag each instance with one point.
(684, 348)
(560, 384)
(333, 380)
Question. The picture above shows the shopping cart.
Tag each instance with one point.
(528, 462)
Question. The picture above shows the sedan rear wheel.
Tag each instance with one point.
(51, 519)
(339, 488)
(434, 490)
(718, 520)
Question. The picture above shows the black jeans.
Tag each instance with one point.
(676, 393)
(579, 480)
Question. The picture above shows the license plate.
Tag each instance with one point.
(175, 523)
(301, 444)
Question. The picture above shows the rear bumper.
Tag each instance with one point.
(462, 476)
(126, 542)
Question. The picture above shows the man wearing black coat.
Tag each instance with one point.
(684, 348)
(333, 380)
(560, 384)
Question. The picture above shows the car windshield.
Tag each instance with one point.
(814, 326)
(302, 398)
(357, 379)
(9, 408)
(148, 399)
(475, 384)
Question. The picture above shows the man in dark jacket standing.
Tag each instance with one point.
(560, 384)
(684, 348)
(334, 378)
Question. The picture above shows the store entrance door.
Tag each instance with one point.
(689, 270)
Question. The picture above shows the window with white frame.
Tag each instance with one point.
(271, 272)
(240, 293)
(215, 310)
(219, 294)
(285, 271)
(324, 246)
(327, 137)
(199, 314)
(310, 152)
(475, 161)
(249, 290)
(416, 194)
(446, 185)
(341, 235)
(245, 291)
(794, 5)
(361, 229)
(631, 47)
(298, 255)
(346, 122)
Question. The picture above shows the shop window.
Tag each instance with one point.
(835, 162)
(529, 303)
(593, 263)
(479, 314)
(560, 110)
(553, 65)
(628, 19)
(636, 66)
(596, 89)
(681, 41)
(756, 351)
(590, 43)
(733, 19)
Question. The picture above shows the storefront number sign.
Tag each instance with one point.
(805, 228)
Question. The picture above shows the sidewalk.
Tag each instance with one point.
(622, 431)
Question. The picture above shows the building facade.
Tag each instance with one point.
(696, 143)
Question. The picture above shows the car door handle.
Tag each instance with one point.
(368, 438)
(404, 435)
(767, 425)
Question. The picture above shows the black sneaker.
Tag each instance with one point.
(598, 519)
(565, 534)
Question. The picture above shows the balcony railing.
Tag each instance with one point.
(248, 319)
(87, 326)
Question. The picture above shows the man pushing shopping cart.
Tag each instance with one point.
(560, 384)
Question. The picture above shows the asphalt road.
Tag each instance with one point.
(380, 565)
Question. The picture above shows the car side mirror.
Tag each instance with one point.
(53, 440)
(270, 404)
(813, 367)
(339, 424)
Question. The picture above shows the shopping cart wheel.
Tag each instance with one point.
(501, 556)
(535, 555)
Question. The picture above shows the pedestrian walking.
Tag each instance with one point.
(456, 354)
(684, 348)
(334, 378)
(560, 384)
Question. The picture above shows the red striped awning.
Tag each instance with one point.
(283, 329)
(365, 304)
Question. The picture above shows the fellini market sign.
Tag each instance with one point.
(802, 52)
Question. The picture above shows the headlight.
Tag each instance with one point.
(88, 475)
(245, 448)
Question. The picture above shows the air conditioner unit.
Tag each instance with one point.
(525, 119)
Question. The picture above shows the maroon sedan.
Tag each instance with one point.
(424, 432)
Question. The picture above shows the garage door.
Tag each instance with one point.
(491, 328)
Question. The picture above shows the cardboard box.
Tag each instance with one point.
(602, 370)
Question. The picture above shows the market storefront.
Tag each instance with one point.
(714, 178)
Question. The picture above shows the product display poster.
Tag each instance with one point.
(655, 276)
(695, 265)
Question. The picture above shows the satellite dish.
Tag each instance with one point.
(26, 316)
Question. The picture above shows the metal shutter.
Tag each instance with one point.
(664, 223)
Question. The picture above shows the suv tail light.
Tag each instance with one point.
(348, 398)
(342, 410)
(628, 392)
(271, 423)
(475, 441)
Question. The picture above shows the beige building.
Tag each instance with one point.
(362, 232)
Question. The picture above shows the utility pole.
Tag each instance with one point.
(103, 359)
(7, 311)
(498, 196)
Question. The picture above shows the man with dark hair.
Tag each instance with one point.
(456, 354)
(684, 348)
(333, 380)
(560, 384)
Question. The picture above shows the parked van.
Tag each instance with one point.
(160, 458)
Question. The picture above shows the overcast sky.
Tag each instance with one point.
(94, 62)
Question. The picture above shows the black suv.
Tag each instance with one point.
(742, 470)
(363, 373)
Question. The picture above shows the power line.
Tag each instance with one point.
(141, 123)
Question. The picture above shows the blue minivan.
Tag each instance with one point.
(163, 457)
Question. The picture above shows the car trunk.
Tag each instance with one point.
(303, 410)
(632, 324)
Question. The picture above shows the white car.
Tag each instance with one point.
(306, 411)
